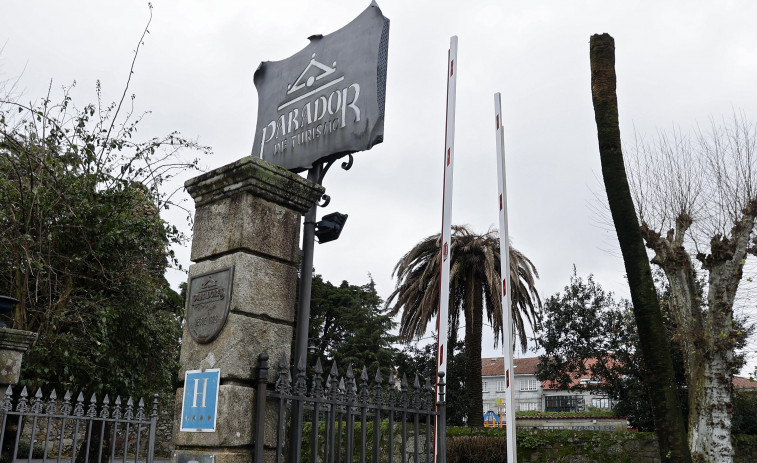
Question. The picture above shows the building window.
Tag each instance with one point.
(528, 406)
(602, 403)
(485, 387)
(564, 403)
(500, 386)
(529, 384)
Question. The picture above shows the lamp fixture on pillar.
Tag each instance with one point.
(330, 227)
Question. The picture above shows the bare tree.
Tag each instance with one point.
(696, 198)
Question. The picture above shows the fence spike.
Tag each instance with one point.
(327, 388)
(65, 409)
(8, 400)
(141, 409)
(117, 408)
(318, 366)
(316, 390)
(364, 397)
(284, 379)
(23, 402)
(378, 395)
(129, 414)
(92, 410)
(391, 395)
(301, 365)
(37, 401)
(52, 405)
(333, 381)
(351, 385)
(300, 381)
(79, 409)
(105, 410)
(404, 399)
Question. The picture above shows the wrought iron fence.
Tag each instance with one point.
(67, 431)
(347, 419)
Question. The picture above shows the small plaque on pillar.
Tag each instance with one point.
(199, 406)
(208, 304)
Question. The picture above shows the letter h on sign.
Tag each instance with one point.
(198, 409)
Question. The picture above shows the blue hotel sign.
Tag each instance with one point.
(200, 404)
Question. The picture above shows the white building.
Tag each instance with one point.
(531, 394)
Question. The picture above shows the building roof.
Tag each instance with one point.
(744, 383)
(527, 366)
(496, 366)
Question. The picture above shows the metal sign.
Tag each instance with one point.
(327, 100)
(504, 247)
(208, 304)
(198, 409)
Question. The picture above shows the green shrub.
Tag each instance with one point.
(23, 450)
(476, 449)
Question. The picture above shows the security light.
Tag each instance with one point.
(330, 227)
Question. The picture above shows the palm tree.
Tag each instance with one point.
(475, 286)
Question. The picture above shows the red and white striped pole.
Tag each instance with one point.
(504, 247)
(446, 244)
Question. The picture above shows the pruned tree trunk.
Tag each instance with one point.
(473, 325)
(669, 423)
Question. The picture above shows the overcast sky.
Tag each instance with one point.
(678, 63)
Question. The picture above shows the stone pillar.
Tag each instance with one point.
(13, 344)
(247, 218)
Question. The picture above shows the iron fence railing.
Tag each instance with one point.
(347, 419)
(66, 431)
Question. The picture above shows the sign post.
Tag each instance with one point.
(446, 241)
(321, 104)
(504, 247)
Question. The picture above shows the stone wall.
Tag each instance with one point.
(164, 445)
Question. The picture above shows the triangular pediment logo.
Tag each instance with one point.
(315, 77)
